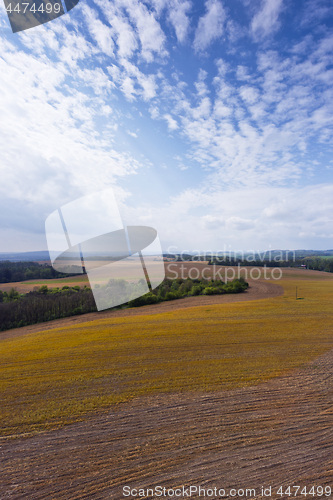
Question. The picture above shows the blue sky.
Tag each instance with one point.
(212, 120)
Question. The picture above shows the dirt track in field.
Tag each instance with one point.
(279, 432)
(258, 290)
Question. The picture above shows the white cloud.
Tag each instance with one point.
(115, 73)
(303, 46)
(221, 110)
(249, 94)
(253, 134)
(315, 11)
(73, 47)
(203, 110)
(154, 112)
(266, 21)
(132, 82)
(235, 31)
(172, 124)
(239, 224)
(212, 222)
(127, 87)
(210, 26)
(51, 149)
(133, 134)
(248, 122)
(200, 84)
(96, 79)
(242, 73)
(151, 36)
(247, 219)
(180, 163)
(99, 31)
(178, 10)
(124, 34)
(159, 5)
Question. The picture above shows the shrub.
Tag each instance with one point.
(171, 296)
(150, 298)
(236, 286)
(13, 294)
(210, 290)
(136, 302)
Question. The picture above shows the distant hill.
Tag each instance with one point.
(264, 255)
(301, 254)
(290, 254)
(25, 256)
(283, 254)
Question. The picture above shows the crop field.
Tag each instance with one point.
(55, 377)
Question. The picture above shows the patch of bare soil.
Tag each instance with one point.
(258, 290)
(276, 433)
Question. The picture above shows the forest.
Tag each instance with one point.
(11, 272)
(315, 263)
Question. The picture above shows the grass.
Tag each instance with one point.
(51, 378)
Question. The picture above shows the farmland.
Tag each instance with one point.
(54, 377)
(172, 269)
(196, 387)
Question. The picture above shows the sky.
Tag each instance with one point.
(211, 120)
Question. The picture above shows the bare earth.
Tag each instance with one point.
(279, 432)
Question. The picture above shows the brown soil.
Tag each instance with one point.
(279, 432)
(258, 290)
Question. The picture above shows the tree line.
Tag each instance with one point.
(178, 288)
(315, 263)
(319, 264)
(226, 261)
(24, 271)
(42, 305)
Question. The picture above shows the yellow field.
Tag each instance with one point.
(51, 378)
